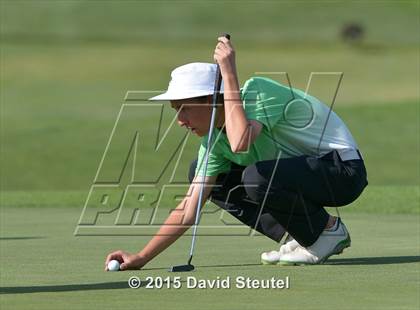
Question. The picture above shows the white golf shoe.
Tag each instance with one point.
(273, 257)
(328, 243)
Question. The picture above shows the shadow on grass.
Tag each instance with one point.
(65, 288)
(205, 266)
(72, 287)
(20, 238)
(338, 261)
(386, 260)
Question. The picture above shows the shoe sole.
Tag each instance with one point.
(339, 249)
(264, 262)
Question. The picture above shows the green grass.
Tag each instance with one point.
(389, 137)
(379, 271)
(63, 152)
(287, 21)
(386, 199)
(65, 69)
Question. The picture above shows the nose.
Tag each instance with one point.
(182, 120)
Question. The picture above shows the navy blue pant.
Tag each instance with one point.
(294, 201)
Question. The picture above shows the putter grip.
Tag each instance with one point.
(218, 82)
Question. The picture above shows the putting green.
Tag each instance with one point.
(63, 81)
(45, 266)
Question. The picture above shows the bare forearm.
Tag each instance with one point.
(237, 125)
(169, 232)
(179, 221)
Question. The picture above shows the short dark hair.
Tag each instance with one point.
(203, 99)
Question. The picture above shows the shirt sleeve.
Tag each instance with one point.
(217, 162)
(264, 101)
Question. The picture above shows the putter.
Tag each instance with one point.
(217, 85)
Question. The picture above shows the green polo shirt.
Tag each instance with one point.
(294, 124)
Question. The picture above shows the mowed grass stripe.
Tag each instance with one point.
(375, 200)
(57, 154)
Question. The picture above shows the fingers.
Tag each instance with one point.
(224, 44)
(134, 261)
(129, 264)
(224, 40)
(125, 266)
(221, 46)
(127, 261)
(223, 50)
(117, 255)
(223, 56)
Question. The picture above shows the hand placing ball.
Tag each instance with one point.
(120, 261)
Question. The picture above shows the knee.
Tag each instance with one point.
(255, 183)
(191, 172)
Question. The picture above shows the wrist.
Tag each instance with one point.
(229, 75)
(230, 79)
(228, 71)
(231, 88)
(141, 259)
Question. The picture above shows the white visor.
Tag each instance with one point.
(190, 81)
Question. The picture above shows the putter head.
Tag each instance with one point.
(182, 268)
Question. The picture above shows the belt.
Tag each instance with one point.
(349, 154)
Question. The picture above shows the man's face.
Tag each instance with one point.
(193, 114)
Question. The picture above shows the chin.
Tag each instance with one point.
(200, 133)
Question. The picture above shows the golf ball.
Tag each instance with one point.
(113, 265)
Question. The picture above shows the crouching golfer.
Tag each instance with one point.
(289, 154)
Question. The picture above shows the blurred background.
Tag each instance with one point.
(66, 67)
